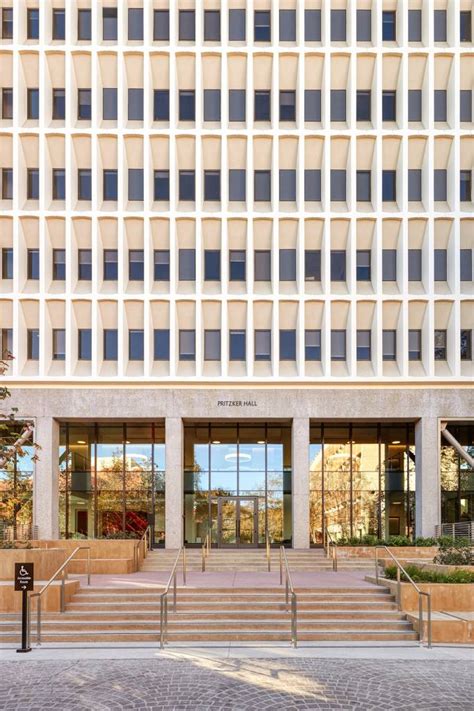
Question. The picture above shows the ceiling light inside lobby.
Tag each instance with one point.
(81, 441)
(216, 441)
(396, 441)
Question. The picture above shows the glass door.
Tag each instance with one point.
(237, 521)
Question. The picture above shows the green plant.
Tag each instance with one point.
(425, 542)
(419, 575)
(12, 545)
(120, 535)
(455, 555)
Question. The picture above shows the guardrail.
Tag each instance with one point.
(145, 542)
(164, 596)
(206, 550)
(460, 529)
(268, 550)
(292, 604)
(330, 546)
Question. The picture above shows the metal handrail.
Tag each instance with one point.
(205, 550)
(289, 590)
(268, 550)
(164, 596)
(331, 549)
(60, 571)
(145, 540)
(421, 593)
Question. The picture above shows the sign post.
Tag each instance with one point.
(24, 583)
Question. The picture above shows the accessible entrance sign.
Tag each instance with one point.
(24, 583)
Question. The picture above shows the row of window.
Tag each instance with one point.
(237, 185)
(237, 32)
(238, 344)
(186, 105)
(212, 263)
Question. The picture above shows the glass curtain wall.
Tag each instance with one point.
(112, 479)
(237, 460)
(362, 480)
(457, 478)
(16, 490)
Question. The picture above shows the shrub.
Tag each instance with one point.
(455, 555)
(371, 540)
(419, 575)
(12, 545)
(121, 535)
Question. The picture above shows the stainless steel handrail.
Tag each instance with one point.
(421, 593)
(145, 540)
(60, 571)
(268, 550)
(331, 549)
(206, 549)
(164, 596)
(289, 591)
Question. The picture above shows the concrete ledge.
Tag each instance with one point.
(456, 627)
(10, 601)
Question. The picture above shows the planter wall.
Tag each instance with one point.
(405, 552)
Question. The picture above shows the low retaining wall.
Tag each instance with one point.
(447, 628)
(10, 601)
(405, 552)
(46, 562)
(107, 556)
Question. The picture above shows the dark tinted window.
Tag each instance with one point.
(187, 344)
(415, 105)
(389, 265)
(312, 265)
(263, 344)
(338, 104)
(135, 184)
(32, 338)
(262, 106)
(363, 106)
(440, 338)
(440, 184)
(287, 344)
(161, 25)
(389, 106)
(389, 344)
(287, 264)
(312, 105)
(338, 185)
(237, 345)
(59, 26)
(212, 265)
(466, 265)
(363, 345)
(414, 344)
(312, 25)
(440, 265)
(59, 264)
(84, 104)
(59, 104)
(109, 23)
(84, 25)
(161, 265)
(7, 263)
(187, 264)
(237, 265)
(212, 105)
(7, 184)
(465, 105)
(440, 34)
(312, 345)
(84, 344)
(33, 184)
(466, 345)
(440, 105)
(212, 185)
(135, 264)
(187, 30)
(212, 345)
(187, 185)
(287, 105)
(363, 265)
(263, 265)
(161, 105)
(414, 185)
(59, 184)
(59, 344)
(32, 103)
(312, 185)
(262, 26)
(465, 19)
(389, 185)
(32, 23)
(161, 344)
(135, 104)
(161, 185)
(414, 25)
(338, 25)
(338, 345)
(110, 344)
(287, 185)
(414, 265)
(84, 185)
(363, 186)
(135, 23)
(187, 106)
(465, 189)
(212, 26)
(389, 26)
(262, 186)
(237, 191)
(338, 265)
(110, 186)
(237, 25)
(287, 25)
(237, 105)
(364, 25)
(109, 104)
(110, 265)
(84, 264)
(136, 346)
(7, 23)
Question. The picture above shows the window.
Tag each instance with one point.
(110, 186)
(262, 186)
(161, 25)
(32, 189)
(110, 265)
(32, 340)
(263, 265)
(32, 104)
(7, 263)
(389, 265)
(187, 344)
(161, 265)
(389, 106)
(440, 25)
(212, 185)
(465, 18)
(59, 184)
(465, 105)
(84, 185)
(84, 25)
(287, 25)
(7, 103)
(32, 264)
(414, 25)
(363, 106)
(59, 104)
(84, 104)
(312, 265)
(312, 25)
(440, 265)
(414, 344)
(389, 33)
(338, 265)
(84, 264)
(84, 344)
(7, 23)
(466, 345)
(287, 264)
(59, 25)
(32, 23)
(135, 24)
(237, 265)
(338, 185)
(187, 106)
(212, 344)
(59, 264)
(415, 105)
(7, 183)
(363, 186)
(338, 105)
(389, 185)
(312, 186)
(161, 105)
(136, 346)
(135, 104)
(287, 106)
(262, 26)
(6, 343)
(262, 106)
(363, 265)
(440, 191)
(364, 26)
(161, 185)
(135, 264)
(59, 344)
(440, 105)
(212, 105)
(237, 105)
(187, 264)
(389, 344)
(212, 265)
(312, 105)
(135, 184)
(287, 344)
(338, 25)
(237, 345)
(161, 344)
(237, 185)
(110, 344)
(338, 345)
(363, 345)
(109, 23)
(287, 185)
(212, 26)
(109, 104)
(187, 188)
(440, 344)
(187, 32)
(414, 185)
(236, 25)
(466, 265)
(263, 344)
(414, 264)
(465, 186)
(312, 344)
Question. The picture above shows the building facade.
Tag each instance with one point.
(236, 267)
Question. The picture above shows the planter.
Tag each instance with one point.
(405, 552)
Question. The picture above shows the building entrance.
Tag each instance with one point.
(237, 522)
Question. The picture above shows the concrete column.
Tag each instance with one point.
(46, 479)
(300, 482)
(427, 436)
(174, 482)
